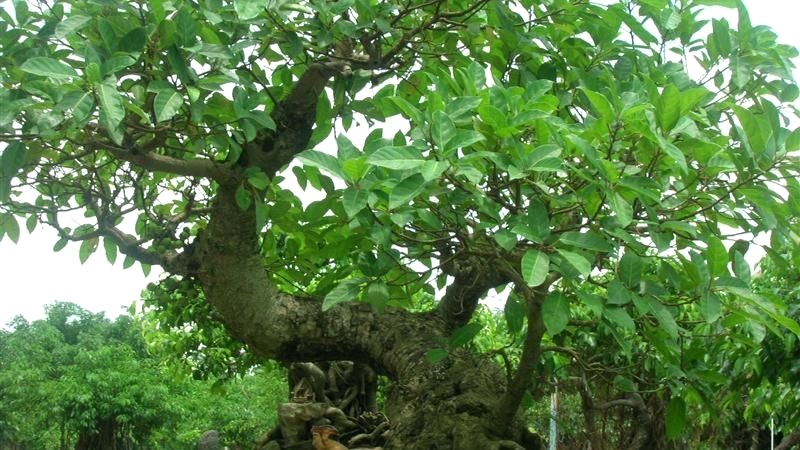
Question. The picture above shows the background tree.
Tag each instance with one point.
(598, 158)
(77, 380)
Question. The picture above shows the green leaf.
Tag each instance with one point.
(506, 239)
(622, 209)
(722, 35)
(436, 355)
(629, 270)
(261, 215)
(709, 306)
(620, 317)
(79, 103)
(716, 257)
(535, 267)
(600, 104)
(243, 198)
(87, 248)
(167, 103)
(9, 225)
(133, 41)
(378, 294)
(793, 141)
(354, 200)
(514, 313)
(461, 105)
(70, 25)
(60, 244)
(112, 109)
(577, 261)
(406, 190)
(258, 179)
(664, 317)
(346, 291)
(624, 384)
(555, 313)
(589, 240)
(48, 67)
(249, 9)
(464, 335)
(399, 158)
(408, 109)
(322, 161)
(668, 108)
(463, 138)
(618, 294)
(355, 168)
(676, 417)
(111, 250)
(723, 3)
(442, 130)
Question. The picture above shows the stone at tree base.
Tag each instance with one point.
(271, 446)
(295, 417)
(209, 441)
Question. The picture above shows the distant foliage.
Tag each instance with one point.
(79, 380)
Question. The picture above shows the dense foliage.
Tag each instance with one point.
(611, 166)
(78, 380)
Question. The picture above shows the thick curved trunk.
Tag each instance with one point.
(449, 404)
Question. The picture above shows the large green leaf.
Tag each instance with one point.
(49, 67)
(514, 312)
(354, 200)
(589, 240)
(464, 335)
(400, 158)
(621, 208)
(345, 291)
(249, 9)
(620, 317)
(577, 261)
(535, 267)
(629, 269)
(555, 313)
(9, 227)
(167, 104)
(676, 417)
(322, 161)
(70, 25)
(406, 190)
(112, 109)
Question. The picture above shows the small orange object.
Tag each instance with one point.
(320, 438)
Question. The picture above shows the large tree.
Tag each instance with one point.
(598, 158)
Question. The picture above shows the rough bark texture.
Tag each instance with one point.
(790, 441)
(105, 436)
(448, 405)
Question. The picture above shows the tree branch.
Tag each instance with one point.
(160, 163)
(473, 278)
(789, 441)
(531, 350)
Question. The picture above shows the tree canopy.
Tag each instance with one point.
(612, 166)
(78, 380)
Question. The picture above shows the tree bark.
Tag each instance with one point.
(104, 436)
(790, 441)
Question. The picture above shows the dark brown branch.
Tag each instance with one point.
(473, 278)
(159, 163)
(531, 349)
(789, 441)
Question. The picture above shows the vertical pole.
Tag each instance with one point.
(772, 433)
(553, 416)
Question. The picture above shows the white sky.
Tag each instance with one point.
(32, 275)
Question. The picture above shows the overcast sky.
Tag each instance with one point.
(32, 275)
